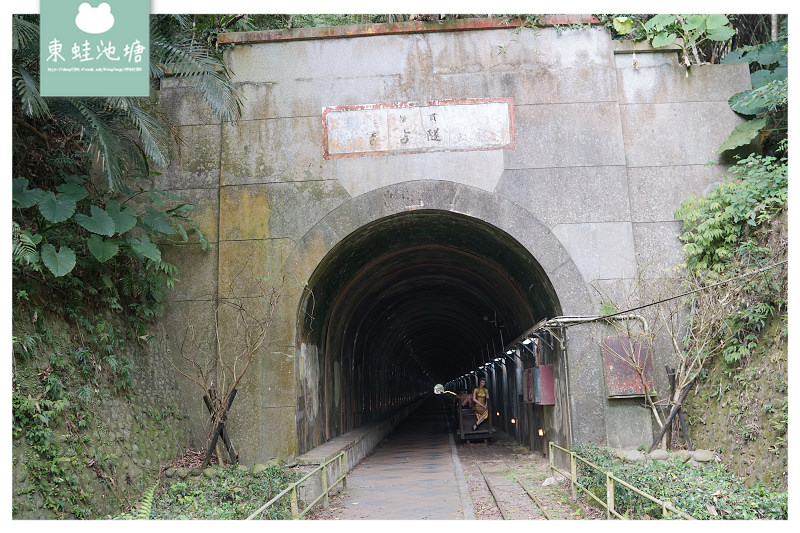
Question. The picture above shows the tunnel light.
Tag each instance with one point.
(526, 341)
(541, 433)
(497, 413)
(513, 420)
(498, 359)
(510, 352)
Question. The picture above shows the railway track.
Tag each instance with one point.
(506, 489)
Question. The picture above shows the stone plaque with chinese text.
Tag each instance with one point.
(407, 127)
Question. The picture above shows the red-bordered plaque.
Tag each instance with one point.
(411, 127)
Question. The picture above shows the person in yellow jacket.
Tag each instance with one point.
(480, 399)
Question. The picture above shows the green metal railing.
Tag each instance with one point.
(291, 490)
(611, 482)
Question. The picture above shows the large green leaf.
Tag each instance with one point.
(154, 135)
(60, 263)
(102, 249)
(715, 21)
(760, 77)
(145, 248)
(745, 104)
(56, 207)
(735, 56)
(23, 197)
(743, 134)
(156, 221)
(156, 194)
(100, 222)
(695, 22)
(23, 248)
(27, 88)
(659, 22)
(73, 190)
(768, 53)
(721, 34)
(124, 217)
(186, 57)
(622, 25)
(663, 39)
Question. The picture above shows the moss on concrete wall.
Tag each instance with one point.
(742, 413)
(103, 452)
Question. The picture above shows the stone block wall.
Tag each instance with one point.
(118, 456)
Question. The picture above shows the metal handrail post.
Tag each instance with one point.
(293, 498)
(325, 499)
(344, 471)
(573, 466)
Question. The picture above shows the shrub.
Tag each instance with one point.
(704, 492)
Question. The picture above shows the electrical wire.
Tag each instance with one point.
(754, 272)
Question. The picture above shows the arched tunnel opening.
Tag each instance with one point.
(403, 303)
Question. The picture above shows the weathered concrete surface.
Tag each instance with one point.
(477, 169)
(627, 422)
(570, 195)
(605, 153)
(657, 192)
(600, 250)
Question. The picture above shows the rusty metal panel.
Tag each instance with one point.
(620, 353)
(544, 385)
(530, 390)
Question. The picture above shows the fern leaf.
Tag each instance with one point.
(23, 32)
(104, 142)
(185, 58)
(154, 136)
(146, 505)
(27, 88)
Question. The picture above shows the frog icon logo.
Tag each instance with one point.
(94, 20)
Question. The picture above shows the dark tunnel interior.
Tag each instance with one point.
(412, 300)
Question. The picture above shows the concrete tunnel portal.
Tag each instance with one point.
(407, 301)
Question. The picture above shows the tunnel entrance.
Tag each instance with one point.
(404, 302)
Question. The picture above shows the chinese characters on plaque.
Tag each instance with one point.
(452, 125)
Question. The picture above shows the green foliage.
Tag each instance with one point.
(723, 225)
(608, 308)
(687, 32)
(767, 101)
(63, 221)
(707, 492)
(729, 232)
(36, 420)
(85, 251)
(61, 376)
(104, 125)
(743, 134)
(231, 494)
(145, 507)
